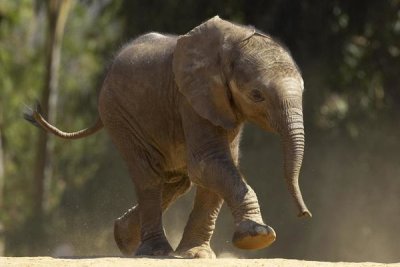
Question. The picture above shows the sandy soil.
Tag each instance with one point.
(152, 262)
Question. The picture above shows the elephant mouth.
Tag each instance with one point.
(174, 176)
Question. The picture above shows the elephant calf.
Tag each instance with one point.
(174, 106)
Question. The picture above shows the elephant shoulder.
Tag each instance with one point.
(150, 45)
(147, 49)
(154, 36)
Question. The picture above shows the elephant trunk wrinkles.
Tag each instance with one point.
(293, 145)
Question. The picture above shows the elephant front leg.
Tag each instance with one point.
(250, 230)
(220, 175)
(196, 237)
(211, 164)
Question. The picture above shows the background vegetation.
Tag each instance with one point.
(60, 198)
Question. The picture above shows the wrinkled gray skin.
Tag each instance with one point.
(174, 106)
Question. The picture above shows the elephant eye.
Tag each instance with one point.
(256, 95)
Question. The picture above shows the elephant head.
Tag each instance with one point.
(230, 73)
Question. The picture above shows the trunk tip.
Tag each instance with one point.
(305, 214)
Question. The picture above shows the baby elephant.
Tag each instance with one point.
(174, 106)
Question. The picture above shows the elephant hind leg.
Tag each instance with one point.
(145, 168)
(127, 227)
(153, 241)
(127, 231)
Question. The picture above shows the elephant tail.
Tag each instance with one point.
(34, 116)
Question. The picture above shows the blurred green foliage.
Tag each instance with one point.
(349, 52)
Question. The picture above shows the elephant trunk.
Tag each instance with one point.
(293, 146)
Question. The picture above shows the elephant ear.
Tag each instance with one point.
(198, 70)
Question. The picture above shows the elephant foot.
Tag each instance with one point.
(127, 238)
(157, 247)
(198, 252)
(252, 235)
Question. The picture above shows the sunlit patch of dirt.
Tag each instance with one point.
(158, 262)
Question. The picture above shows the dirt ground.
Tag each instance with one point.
(152, 262)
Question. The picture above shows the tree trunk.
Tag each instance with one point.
(57, 12)
(2, 181)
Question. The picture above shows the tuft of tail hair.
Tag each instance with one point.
(29, 112)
